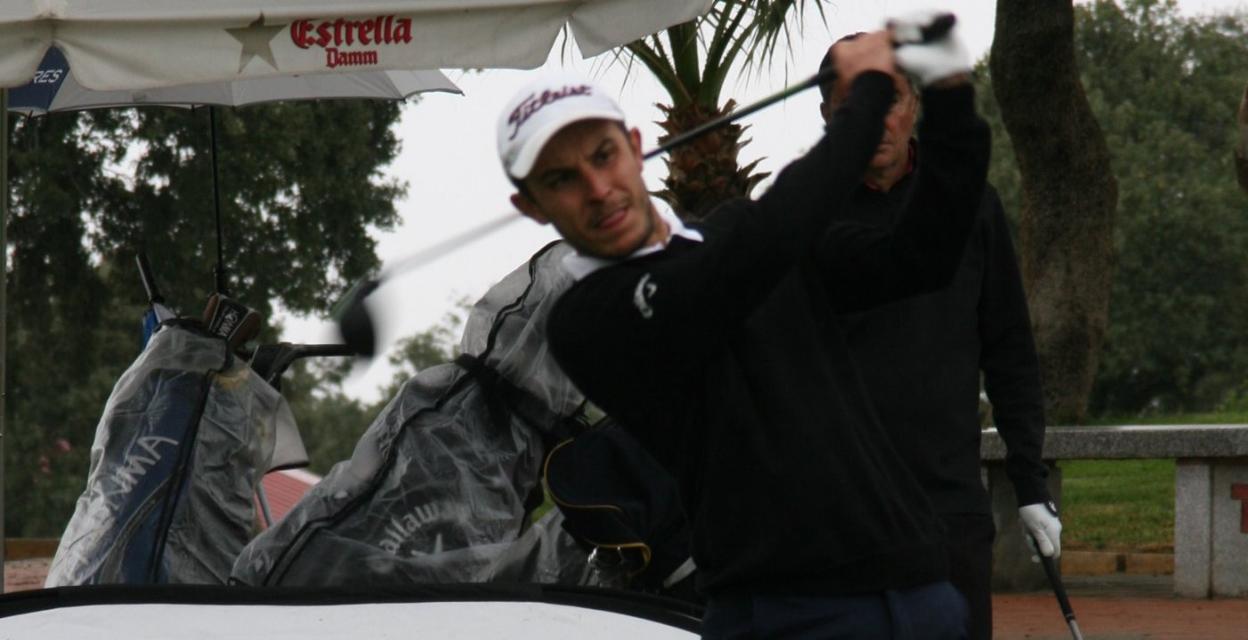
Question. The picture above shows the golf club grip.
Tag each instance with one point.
(1050, 570)
(1059, 589)
(939, 28)
(149, 281)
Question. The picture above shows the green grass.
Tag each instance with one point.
(1126, 505)
(1118, 505)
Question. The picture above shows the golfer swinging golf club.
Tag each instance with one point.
(719, 346)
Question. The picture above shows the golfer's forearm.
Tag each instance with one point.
(953, 169)
(762, 241)
(866, 266)
(795, 209)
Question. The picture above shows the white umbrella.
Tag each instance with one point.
(55, 88)
(130, 44)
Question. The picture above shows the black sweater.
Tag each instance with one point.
(727, 361)
(921, 360)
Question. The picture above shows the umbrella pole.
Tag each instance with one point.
(4, 263)
(219, 270)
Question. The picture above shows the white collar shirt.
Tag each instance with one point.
(580, 265)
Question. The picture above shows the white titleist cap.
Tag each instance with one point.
(543, 107)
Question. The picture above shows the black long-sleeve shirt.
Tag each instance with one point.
(921, 360)
(726, 359)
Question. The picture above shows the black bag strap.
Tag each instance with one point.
(617, 499)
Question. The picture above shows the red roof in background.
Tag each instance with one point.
(284, 488)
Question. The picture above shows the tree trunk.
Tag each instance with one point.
(1069, 196)
(706, 171)
(1241, 148)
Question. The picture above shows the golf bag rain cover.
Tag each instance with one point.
(439, 488)
(170, 498)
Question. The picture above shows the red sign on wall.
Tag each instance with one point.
(1240, 492)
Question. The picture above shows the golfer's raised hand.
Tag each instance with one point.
(1040, 522)
(941, 61)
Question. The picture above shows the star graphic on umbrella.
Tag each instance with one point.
(256, 39)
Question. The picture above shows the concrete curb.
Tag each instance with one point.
(1100, 563)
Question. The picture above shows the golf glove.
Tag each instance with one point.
(1041, 523)
(933, 60)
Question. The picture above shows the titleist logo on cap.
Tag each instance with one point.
(534, 103)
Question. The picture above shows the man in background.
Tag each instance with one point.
(921, 360)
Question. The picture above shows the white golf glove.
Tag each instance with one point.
(930, 61)
(1040, 522)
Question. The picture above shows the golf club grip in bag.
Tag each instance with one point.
(617, 500)
(184, 438)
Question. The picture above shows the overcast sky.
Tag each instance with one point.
(455, 181)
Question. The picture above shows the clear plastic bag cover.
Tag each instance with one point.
(145, 485)
(519, 351)
(435, 490)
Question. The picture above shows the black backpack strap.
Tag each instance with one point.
(618, 500)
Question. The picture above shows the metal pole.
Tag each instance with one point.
(221, 279)
(4, 325)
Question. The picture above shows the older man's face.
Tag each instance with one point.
(894, 147)
(587, 182)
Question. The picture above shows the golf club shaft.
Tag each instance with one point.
(723, 121)
(1059, 590)
(427, 255)
(939, 28)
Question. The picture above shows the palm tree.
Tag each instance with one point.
(691, 61)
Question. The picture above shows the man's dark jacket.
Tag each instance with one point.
(726, 359)
(921, 360)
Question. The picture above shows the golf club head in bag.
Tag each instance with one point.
(231, 320)
(184, 439)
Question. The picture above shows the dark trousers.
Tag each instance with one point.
(970, 538)
(934, 611)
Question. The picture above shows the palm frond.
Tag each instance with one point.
(655, 58)
(733, 33)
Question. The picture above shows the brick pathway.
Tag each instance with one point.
(23, 575)
(1107, 609)
(1036, 617)
(1119, 608)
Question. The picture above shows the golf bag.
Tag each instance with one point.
(442, 485)
(185, 437)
